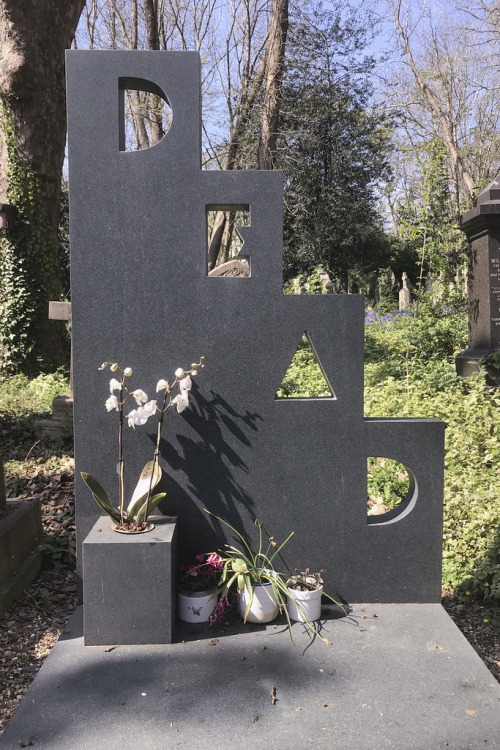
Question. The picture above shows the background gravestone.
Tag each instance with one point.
(141, 296)
(482, 226)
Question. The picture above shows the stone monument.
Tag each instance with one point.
(404, 294)
(482, 226)
(142, 296)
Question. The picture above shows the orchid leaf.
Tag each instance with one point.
(150, 476)
(100, 496)
(149, 507)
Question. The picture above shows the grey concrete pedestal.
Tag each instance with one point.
(129, 584)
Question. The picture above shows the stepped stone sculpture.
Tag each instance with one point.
(142, 296)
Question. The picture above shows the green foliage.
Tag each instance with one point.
(388, 481)
(27, 274)
(304, 378)
(21, 397)
(427, 219)
(332, 148)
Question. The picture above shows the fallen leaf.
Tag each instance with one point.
(110, 648)
(214, 641)
(256, 717)
(298, 708)
(470, 712)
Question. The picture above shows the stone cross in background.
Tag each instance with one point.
(482, 226)
(404, 294)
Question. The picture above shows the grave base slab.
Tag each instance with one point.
(398, 676)
(129, 584)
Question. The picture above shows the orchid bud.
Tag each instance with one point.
(103, 366)
(179, 372)
(127, 372)
(114, 367)
(194, 372)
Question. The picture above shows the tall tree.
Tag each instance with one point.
(274, 63)
(331, 149)
(33, 37)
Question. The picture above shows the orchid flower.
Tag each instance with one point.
(140, 396)
(181, 401)
(185, 384)
(114, 385)
(141, 415)
(112, 403)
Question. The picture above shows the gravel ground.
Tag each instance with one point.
(32, 626)
(29, 629)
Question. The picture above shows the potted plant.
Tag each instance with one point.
(133, 517)
(197, 595)
(304, 598)
(262, 591)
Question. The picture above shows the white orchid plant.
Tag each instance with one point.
(134, 517)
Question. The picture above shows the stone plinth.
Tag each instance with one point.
(129, 584)
(60, 424)
(20, 559)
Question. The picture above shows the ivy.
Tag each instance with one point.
(25, 250)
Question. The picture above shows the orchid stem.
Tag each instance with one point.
(157, 452)
(120, 452)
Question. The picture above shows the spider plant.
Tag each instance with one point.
(247, 568)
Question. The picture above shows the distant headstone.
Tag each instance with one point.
(233, 267)
(326, 282)
(62, 311)
(482, 227)
(404, 294)
(60, 424)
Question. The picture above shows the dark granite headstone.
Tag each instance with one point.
(141, 296)
(482, 227)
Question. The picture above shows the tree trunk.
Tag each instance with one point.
(447, 125)
(244, 112)
(153, 36)
(34, 36)
(275, 58)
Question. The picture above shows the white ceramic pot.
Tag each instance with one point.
(264, 607)
(196, 606)
(309, 603)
